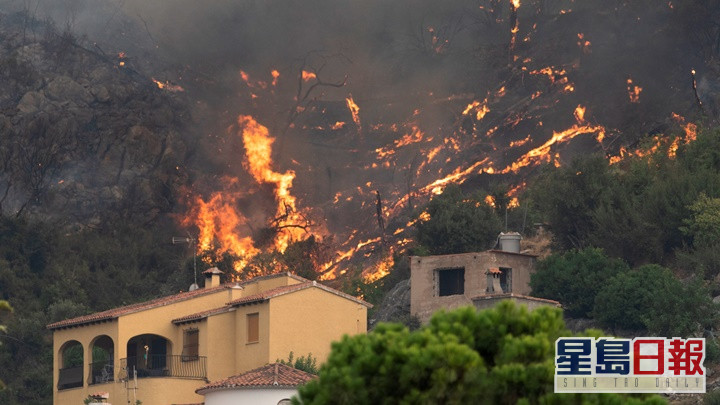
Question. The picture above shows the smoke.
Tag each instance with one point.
(412, 67)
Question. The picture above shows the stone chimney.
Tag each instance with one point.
(212, 277)
(493, 281)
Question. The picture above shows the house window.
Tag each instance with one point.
(451, 281)
(253, 327)
(506, 279)
(190, 345)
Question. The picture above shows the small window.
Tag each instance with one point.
(451, 281)
(190, 345)
(253, 327)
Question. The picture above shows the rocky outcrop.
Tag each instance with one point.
(82, 134)
(395, 307)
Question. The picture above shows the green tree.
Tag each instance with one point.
(393, 365)
(500, 356)
(568, 196)
(650, 298)
(305, 363)
(574, 278)
(454, 222)
(704, 224)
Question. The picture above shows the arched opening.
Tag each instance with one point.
(71, 365)
(149, 355)
(102, 368)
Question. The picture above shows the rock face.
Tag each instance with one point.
(82, 135)
(395, 307)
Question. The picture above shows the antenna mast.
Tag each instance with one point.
(191, 244)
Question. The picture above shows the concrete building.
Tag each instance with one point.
(177, 344)
(479, 278)
(273, 384)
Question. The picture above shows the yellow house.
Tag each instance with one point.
(161, 351)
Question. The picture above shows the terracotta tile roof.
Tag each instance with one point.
(158, 302)
(275, 375)
(213, 270)
(495, 270)
(275, 292)
(202, 315)
(141, 306)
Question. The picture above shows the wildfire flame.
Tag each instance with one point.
(258, 150)
(480, 109)
(633, 91)
(542, 152)
(168, 86)
(583, 43)
(307, 76)
(354, 110)
(219, 225)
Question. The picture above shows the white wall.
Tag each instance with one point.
(249, 396)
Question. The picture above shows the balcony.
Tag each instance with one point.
(70, 377)
(164, 366)
(102, 372)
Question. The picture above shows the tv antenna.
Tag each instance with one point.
(176, 240)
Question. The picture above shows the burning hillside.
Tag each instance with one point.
(361, 160)
(341, 121)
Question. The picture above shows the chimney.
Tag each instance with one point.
(493, 281)
(212, 277)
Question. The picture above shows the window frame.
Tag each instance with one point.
(459, 281)
(188, 355)
(253, 324)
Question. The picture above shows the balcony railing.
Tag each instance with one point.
(101, 372)
(70, 377)
(164, 366)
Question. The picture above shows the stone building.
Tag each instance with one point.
(478, 278)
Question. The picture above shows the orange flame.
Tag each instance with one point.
(218, 221)
(633, 91)
(307, 76)
(167, 86)
(458, 175)
(258, 150)
(583, 43)
(245, 77)
(354, 110)
(490, 200)
(480, 109)
(275, 75)
(542, 152)
(381, 270)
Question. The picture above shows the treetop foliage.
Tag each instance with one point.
(574, 278)
(642, 210)
(455, 222)
(504, 355)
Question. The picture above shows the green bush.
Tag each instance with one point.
(651, 298)
(457, 223)
(574, 278)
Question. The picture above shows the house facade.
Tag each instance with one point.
(480, 279)
(161, 351)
